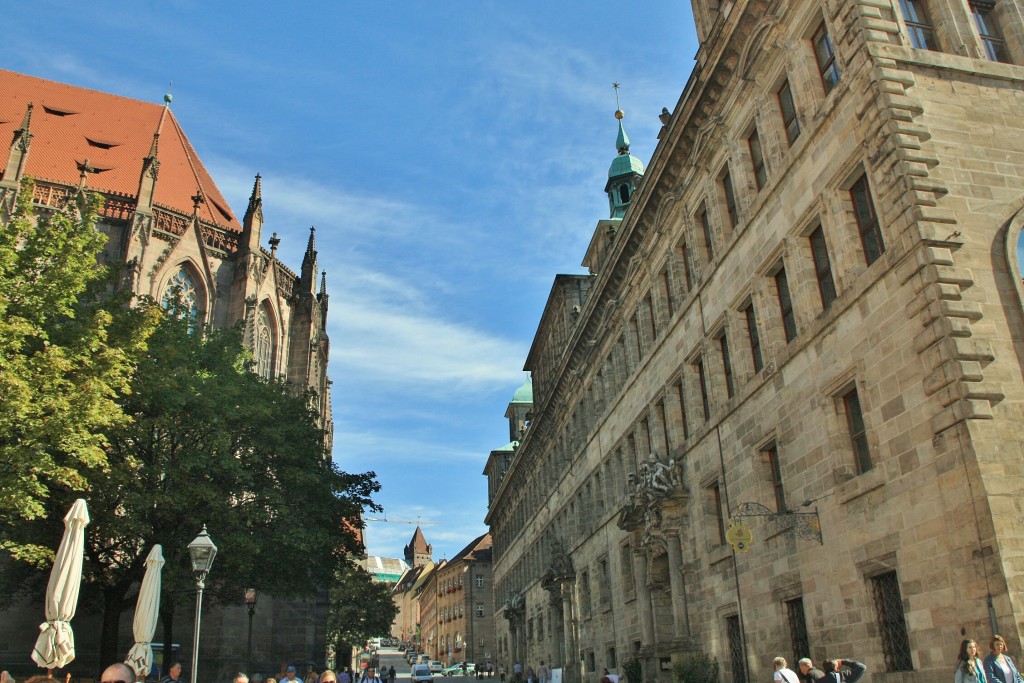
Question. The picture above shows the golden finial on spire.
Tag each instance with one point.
(619, 114)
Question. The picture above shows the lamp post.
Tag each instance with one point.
(251, 596)
(202, 551)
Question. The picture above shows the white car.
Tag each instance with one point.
(420, 673)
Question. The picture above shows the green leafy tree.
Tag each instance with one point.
(361, 608)
(66, 356)
(210, 442)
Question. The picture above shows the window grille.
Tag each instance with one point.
(735, 636)
(892, 626)
(798, 628)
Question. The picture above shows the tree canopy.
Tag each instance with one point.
(361, 608)
(66, 355)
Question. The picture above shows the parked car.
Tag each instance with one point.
(420, 673)
(453, 670)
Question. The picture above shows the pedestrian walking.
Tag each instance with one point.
(843, 670)
(391, 675)
(969, 668)
(783, 674)
(999, 668)
(808, 672)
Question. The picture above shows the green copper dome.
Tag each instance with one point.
(524, 394)
(625, 164)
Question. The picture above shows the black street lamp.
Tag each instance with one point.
(202, 551)
(251, 596)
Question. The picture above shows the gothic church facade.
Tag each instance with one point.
(176, 235)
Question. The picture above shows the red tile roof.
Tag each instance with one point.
(71, 124)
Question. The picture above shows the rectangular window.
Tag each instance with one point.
(867, 220)
(798, 628)
(652, 326)
(709, 238)
(684, 256)
(755, 339)
(626, 568)
(698, 367)
(479, 581)
(479, 610)
(730, 199)
(826, 58)
(606, 588)
(771, 455)
(789, 117)
(757, 159)
(822, 268)
(919, 26)
(736, 656)
(723, 345)
(892, 626)
(585, 593)
(611, 658)
(663, 415)
(681, 397)
(716, 500)
(785, 305)
(988, 30)
(858, 433)
(591, 662)
(666, 286)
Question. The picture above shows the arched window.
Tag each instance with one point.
(623, 194)
(181, 297)
(264, 351)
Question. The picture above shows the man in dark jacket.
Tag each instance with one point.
(842, 670)
(807, 671)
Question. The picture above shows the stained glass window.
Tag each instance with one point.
(264, 351)
(181, 297)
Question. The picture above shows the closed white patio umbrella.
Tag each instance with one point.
(147, 610)
(55, 646)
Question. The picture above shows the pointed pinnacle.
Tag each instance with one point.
(26, 122)
(311, 246)
(323, 282)
(256, 189)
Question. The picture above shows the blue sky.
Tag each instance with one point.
(452, 156)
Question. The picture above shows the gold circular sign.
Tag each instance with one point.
(739, 535)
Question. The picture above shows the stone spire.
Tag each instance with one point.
(18, 156)
(252, 224)
(322, 297)
(307, 277)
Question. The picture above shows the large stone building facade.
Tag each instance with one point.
(805, 324)
(178, 239)
(460, 625)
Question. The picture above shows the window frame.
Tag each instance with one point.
(866, 216)
(825, 57)
(790, 118)
(787, 310)
(822, 267)
(757, 160)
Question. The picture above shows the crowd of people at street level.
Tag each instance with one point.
(996, 667)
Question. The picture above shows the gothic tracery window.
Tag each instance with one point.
(264, 350)
(181, 296)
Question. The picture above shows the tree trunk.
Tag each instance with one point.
(167, 617)
(113, 598)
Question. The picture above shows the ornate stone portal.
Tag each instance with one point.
(654, 515)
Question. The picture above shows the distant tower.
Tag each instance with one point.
(519, 411)
(418, 552)
(625, 173)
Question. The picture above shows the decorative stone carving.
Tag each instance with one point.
(651, 486)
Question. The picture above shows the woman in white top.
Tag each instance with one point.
(782, 673)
